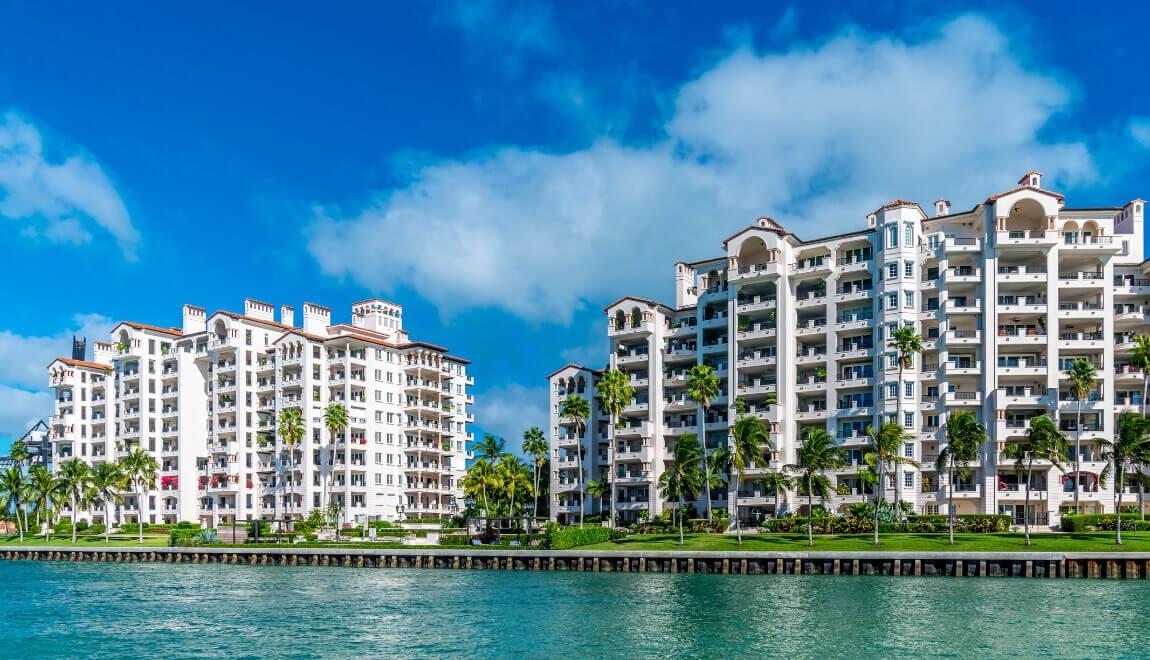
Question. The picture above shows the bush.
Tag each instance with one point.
(970, 523)
(62, 526)
(1105, 522)
(573, 537)
(97, 529)
(455, 539)
(82, 526)
(182, 537)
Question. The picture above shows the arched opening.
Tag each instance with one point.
(1026, 215)
(1090, 230)
(220, 329)
(636, 317)
(620, 320)
(753, 252)
(581, 385)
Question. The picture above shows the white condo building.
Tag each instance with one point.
(1005, 295)
(204, 398)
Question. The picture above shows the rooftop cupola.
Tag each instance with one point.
(941, 207)
(1031, 180)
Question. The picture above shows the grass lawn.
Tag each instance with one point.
(87, 541)
(1006, 542)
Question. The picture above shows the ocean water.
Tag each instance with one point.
(54, 610)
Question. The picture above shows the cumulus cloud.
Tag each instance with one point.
(1140, 130)
(816, 136)
(24, 360)
(510, 410)
(507, 29)
(59, 201)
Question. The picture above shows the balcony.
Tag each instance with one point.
(1081, 340)
(1024, 240)
(1022, 304)
(1080, 310)
(755, 303)
(634, 429)
(810, 267)
(756, 386)
(630, 328)
(1081, 279)
(811, 355)
(756, 358)
(812, 327)
(962, 245)
(963, 399)
(1078, 243)
(632, 357)
(849, 293)
(1024, 336)
(963, 275)
(963, 306)
(759, 330)
(755, 272)
(853, 264)
(963, 337)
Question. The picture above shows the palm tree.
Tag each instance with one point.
(19, 453)
(75, 479)
(600, 490)
(491, 448)
(818, 454)
(514, 477)
(1082, 377)
(139, 468)
(335, 419)
(1132, 444)
(778, 483)
(291, 430)
(535, 446)
(886, 451)
(682, 478)
(905, 343)
(475, 482)
(703, 387)
(1140, 360)
(44, 494)
(964, 437)
(1044, 442)
(107, 483)
(749, 439)
(14, 490)
(577, 409)
(615, 394)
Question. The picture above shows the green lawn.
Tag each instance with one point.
(1077, 542)
(82, 541)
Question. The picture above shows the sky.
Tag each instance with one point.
(506, 169)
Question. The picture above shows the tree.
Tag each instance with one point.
(479, 476)
(14, 491)
(905, 343)
(75, 479)
(290, 428)
(964, 437)
(514, 480)
(703, 387)
(749, 439)
(139, 468)
(44, 494)
(535, 446)
(576, 409)
(107, 483)
(777, 483)
(682, 478)
(885, 451)
(1130, 447)
(615, 394)
(491, 448)
(818, 454)
(19, 453)
(599, 489)
(1140, 360)
(1044, 442)
(335, 420)
(1082, 377)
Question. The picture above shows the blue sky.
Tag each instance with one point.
(493, 165)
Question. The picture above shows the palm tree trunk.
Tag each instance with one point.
(703, 435)
(1077, 456)
(1026, 503)
(107, 520)
(810, 513)
(950, 503)
(881, 487)
(74, 516)
(898, 413)
(738, 526)
(535, 493)
(140, 514)
(1118, 510)
(611, 463)
(681, 505)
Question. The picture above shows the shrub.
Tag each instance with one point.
(1105, 522)
(97, 528)
(454, 539)
(182, 537)
(62, 526)
(573, 537)
(82, 526)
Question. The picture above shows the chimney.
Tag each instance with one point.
(195, 319)
(287, 315)
(259, 310)
(941, 207)
(316, 318)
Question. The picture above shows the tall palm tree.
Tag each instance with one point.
(599, 490)
(778, 483)
(514, 478)
(1082, 377)
(19, 453)
(44, 494)
(14, 490)
(703, 387)
(577, 409)
(615, 394)
(335, 420)
(1044, 442)
(491, 448)
(885, 451)
(291, 430)
(749, 439)
(905, 343)
(682, 478)
(1140, 360)
(818, 454)
(535, 446)
(139, 468)
(479, 476)
(75, 479)
(964, 437)
(107, 483)
(1131, 445)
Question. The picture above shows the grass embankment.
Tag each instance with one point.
(88, 542)
(1005, 542)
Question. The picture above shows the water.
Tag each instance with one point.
(52, 610)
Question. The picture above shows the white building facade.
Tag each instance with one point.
(204, 400)
(1005, 295)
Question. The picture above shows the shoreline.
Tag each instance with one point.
(1110, 565)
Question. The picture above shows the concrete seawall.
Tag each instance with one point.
(959, 564)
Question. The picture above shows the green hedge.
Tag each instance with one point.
(1105, 522)
(454, 539)
(573, 537)
(149, 528)
(970, 523)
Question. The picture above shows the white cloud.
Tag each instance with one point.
(59, 201)
(509, 410)
(816, 136)
(1140, 130)
(507, 29)
(24, 363)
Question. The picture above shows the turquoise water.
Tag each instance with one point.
(51, 610)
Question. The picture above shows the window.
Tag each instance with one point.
(892, 390)
(892, 360)
(908, 390)
(892, 237)
(378, 479)
(389, 482)
(908, 420)
(892, 270)
(908, 479)
(908, 235)
(378, 458)
(909, 295)
(908, 449)
(932, 241)
(379, 416)
(892, 301)
(908, 269)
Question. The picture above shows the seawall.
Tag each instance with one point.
(1134, 565)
